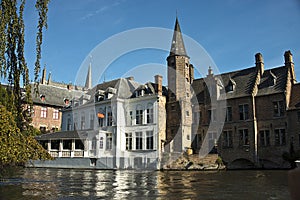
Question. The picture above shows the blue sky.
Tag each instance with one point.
(230, 31)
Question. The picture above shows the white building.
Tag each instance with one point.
(121, 124)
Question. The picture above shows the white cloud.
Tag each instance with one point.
(102, 9)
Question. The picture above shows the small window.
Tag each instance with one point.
(187, 113)
(101, 143)
(55, 114)
(43, 112)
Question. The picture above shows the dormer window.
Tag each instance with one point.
(139, 93)
(272, 79)
(231, 85)
(99, 96)
(42, 97)
(66, 101)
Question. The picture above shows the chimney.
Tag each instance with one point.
(43, 81)
(130, 78)
(259, 62)
(158, 82)
(49, 79)
(69, 87)
(288, 61)
(210, 71)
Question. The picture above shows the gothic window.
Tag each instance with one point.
(278, 108)
(227, 139)
(264, 136)
(244, 137)
(228, 116)
(280, 137)
(244, 111)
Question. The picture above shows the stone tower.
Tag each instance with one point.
(179, 109)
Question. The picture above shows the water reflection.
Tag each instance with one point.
(96, 184)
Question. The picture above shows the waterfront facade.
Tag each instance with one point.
(121, 124)
(250, 117)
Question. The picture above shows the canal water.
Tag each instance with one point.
(30, 183)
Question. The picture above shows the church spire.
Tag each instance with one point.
(88, 82)
(177, 46)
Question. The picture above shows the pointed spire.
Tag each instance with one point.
(177, 46)
(88, 82)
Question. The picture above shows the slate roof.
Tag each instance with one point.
(54, 96)
(177, 46)
(63, 135)
(244, 82)
(265, 86)
(295, 97)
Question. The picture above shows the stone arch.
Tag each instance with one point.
(241, 163)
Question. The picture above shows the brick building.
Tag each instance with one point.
(48, 102)
(250, 116)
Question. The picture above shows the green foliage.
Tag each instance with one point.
(16, 148)
(42, 8)
(13, 66)
(219, 161)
